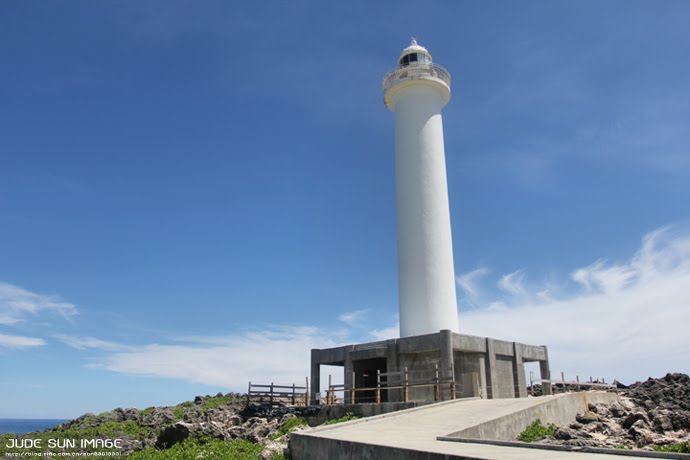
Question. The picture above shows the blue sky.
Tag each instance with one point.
(194, 194)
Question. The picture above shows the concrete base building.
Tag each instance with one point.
(476, 366)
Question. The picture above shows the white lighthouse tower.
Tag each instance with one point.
(416, 91)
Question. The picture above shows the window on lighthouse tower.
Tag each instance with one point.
(414, 58)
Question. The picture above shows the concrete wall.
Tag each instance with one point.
(362, 410)
(488, 367)
(313, 448)
(420, 366)
(505, 387)
(559, 410)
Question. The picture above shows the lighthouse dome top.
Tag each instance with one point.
(415, 70)
(414, 53)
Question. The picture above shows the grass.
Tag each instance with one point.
(346, 418)
(680, 448)
(202, 448)
(288, 427)
(178, 412)
(215, 402)
(537, 431)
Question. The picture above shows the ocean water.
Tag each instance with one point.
(27, 425)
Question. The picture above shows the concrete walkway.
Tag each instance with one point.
(411, 434)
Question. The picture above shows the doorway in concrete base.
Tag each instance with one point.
(365, 377)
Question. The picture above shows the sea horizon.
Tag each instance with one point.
(27, 425)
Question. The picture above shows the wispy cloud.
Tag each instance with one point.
(513, 283)
(386, 333)
(20, 341)
(278, 354)
(628, 319)
(90, 343)
(354, 318)
(469, 281)
(16, 304)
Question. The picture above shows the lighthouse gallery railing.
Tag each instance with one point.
(415, 72)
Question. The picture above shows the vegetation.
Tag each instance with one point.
(537, 431)
(202, 448)
(681, 448)
(178, 412)
(215, 402)
(346, 418)
(289, 426)
(106, 426)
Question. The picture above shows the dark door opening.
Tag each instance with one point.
(365, 377)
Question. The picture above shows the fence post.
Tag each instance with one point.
(452, 382)
(436, 387)
(306, 391)
(329, 395)
(270, 398)
(293, 394)
(352, 392)
(577, 378)
(406, 391)
(378, 386)
(249, 392)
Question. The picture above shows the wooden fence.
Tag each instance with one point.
(279, 394)
(394, 381)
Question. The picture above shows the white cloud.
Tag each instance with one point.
(468, 282)
(513, 283)
(20, 341)
(279, 355)
(17, 303)
(391, 332)
(87, 343)
(630, 321)
(353, 318)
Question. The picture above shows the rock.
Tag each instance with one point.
(564, 434)
(620, 386)
(173, 434)
(632, 418)
(198, 399)
(651, 413)
(680, 420)
(587, 417)
(617, 410)
(271, 449)
(627, 404)
(234, 420)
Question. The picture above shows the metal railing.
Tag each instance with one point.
(415, 72)
(563, 385)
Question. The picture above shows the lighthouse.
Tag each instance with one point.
(416, 91)
(430, 346)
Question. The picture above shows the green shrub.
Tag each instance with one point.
(346, 418)
(536, 431)
(681, 448)
(178, 412)
(217, 401)
(202, 448)
(288, 427)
